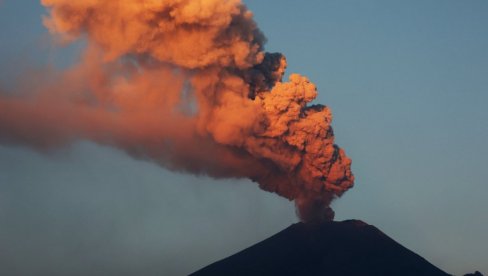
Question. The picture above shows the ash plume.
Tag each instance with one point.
(186, 84)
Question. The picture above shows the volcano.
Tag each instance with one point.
(349, 247)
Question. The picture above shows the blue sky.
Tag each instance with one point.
(407, 84)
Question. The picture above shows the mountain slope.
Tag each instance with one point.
(332, 248)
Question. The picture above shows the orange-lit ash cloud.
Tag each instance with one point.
(187, 84)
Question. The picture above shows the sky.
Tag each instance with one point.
(407, 85)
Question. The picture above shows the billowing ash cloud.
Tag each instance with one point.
(187, 84)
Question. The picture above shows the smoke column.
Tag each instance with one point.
(186, 84)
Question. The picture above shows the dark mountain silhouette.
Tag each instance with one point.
(477, 273)
(332, 248)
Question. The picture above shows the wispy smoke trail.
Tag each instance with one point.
(187, 84)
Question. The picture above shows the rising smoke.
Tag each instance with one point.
(186, 84)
